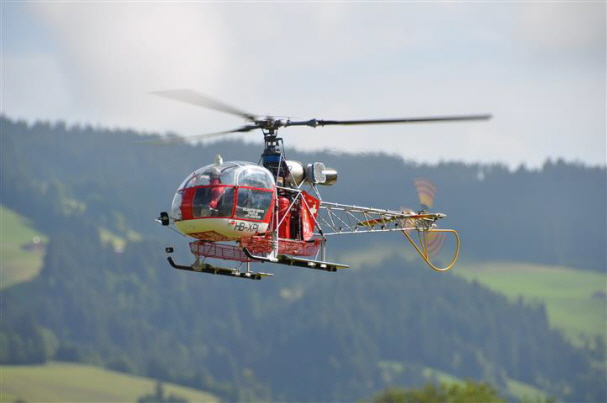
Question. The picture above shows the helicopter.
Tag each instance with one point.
(272, 212)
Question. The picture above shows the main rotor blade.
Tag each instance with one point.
(197, 99)
(243, 129)
(315, 122)
(171, 140)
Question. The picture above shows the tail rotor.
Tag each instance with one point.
(426, 192)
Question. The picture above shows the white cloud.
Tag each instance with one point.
(116, 53)
(561, 26)
(34, 82)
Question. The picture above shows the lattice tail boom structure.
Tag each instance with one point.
(339, 219)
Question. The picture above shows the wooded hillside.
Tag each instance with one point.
(302, 335)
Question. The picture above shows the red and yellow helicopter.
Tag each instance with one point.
(244, 212)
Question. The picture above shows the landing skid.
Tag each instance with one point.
(310, 264)
(297, 261)
(222, 271)
(202, 267)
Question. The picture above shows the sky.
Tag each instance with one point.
(538, 67)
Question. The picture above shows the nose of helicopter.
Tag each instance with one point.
(224, 201)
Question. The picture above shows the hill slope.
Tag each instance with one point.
(575, 301)
(205, 331)
(21, 248)
(63, 382)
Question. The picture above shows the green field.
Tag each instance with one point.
(575, 299)
(17, 262)
(62, 382)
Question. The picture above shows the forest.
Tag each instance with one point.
(302, 335)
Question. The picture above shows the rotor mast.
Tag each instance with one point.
(272, 156)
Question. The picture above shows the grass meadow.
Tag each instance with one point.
(19, 259)
(63, 382)
(575, 299)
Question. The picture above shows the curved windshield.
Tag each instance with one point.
(255, 176)
(230, 173)
(176, 206)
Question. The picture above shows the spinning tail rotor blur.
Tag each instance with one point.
(430, 241)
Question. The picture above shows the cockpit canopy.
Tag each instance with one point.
(233, 173)
(232, 189)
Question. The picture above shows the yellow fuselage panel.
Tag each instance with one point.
(229, 228)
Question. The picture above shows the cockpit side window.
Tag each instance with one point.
(213, 201)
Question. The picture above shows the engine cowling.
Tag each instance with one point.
(316, 173)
